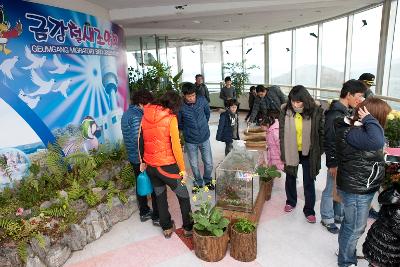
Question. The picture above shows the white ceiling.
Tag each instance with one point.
(220, 19)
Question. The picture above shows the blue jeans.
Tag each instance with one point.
(206, 156)
(356, 209)
(330, 209)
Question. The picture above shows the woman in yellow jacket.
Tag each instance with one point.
(164, 159)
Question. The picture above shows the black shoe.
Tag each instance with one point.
(147, 216)
(331, 227)
(156, 222)
(210, 186)
(196, 189)
(373, 214)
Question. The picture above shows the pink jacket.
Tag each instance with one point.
(273, 146)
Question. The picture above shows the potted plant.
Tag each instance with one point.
(239, 74)
(267, 175)
(244, 240)
(210, 234)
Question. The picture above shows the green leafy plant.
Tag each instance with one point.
(76, 191)
(92, 199)
(209, 220)
(267, 173)
(245, 226)
(128, 176)
(239, 74)
(392, 130)
(5, 168)
(22, 250)
(155, 77)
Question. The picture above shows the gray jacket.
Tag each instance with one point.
(202, 90)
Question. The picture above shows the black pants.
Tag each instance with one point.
(169, 175)
(308, 184)
(228, 147)
(142, 200)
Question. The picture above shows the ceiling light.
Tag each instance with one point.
(196, 21)
(227, 21)
(240, 14)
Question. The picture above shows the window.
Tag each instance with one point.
(394, 79)
(190, 62)
(333, 53)
(232, 51)
(172, 60)
(306, 56)
(253, 53)
(212, 61)
(149, 50)
(365, 46)
(280, 58)
(162, 50)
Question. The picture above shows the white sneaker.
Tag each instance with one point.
(337, 252)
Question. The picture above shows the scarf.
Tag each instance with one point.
(290, 140)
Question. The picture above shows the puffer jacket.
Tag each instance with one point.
(193, 120)
(157, 136)
(336, 110)
(382, 245)
(225, 130)
(360, 170)
(130, 126)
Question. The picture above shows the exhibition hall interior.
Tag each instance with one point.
(200, 133)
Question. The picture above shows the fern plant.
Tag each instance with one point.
(92, 199)
(76, 191)
(22, 250)
(5, 168)
(128, 176)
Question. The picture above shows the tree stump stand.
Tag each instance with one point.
(210, 248)
(243, 246)
(268, 189)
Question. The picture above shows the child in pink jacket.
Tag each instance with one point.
(273, 153)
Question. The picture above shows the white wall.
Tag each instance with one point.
(78, 5)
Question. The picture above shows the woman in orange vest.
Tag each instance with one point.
(164, 159)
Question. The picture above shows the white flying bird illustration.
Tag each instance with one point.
(63, 88)
(44, 86)
(30, 101)
(61, 68)
(7, 65)
(37, 62)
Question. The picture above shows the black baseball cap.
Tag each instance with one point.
(368, 78)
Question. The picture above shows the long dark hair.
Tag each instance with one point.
(300, 93)
(171, 100)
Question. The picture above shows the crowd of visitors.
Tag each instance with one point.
(298, 131)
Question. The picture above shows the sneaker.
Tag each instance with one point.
(288, 208)
(337, 252)
(147, 216)
(337, 221)
(156, 222)
(373, 214)
(311, 219)
(331, 227)
(196, 189)
(210, 186)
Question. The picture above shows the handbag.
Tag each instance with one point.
(144, 186)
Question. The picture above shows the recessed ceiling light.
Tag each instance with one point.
(290, 21)
(317, 11)
(196, 21)
(227, 20)
(240, 14)
(301, 15)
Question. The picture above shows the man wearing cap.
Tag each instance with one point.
(369, 80)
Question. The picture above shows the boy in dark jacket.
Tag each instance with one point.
(350, 96)
(228, 91)
(228, 126)
(130, 126)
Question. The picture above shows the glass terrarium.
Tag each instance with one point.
(237, 183)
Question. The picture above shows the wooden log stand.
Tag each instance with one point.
(243, 246)
(210, 248)
(253, 216)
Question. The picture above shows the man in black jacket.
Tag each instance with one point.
(201, 88)
(350, 96)
(268, 100)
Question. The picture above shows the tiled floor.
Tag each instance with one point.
(283, 239)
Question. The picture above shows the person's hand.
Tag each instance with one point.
(142, 167)
(363, 112)
(333, 172)
(184, 178)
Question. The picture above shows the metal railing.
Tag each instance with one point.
(317, 93)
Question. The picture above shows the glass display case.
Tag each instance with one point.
(237, 183)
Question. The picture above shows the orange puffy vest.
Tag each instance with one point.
(156, 136)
